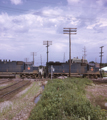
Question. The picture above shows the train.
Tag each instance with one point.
(20, 69)
(79, 68)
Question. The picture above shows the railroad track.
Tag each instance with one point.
(4, 81)
(8, 92)
(10, 85)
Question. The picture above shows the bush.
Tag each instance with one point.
(66, 100)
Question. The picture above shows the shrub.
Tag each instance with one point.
(66, 100)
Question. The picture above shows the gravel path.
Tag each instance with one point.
(25, 112)
(20, 106)
(97, 94)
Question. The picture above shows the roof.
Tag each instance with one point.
(104, 68)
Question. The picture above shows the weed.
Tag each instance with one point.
(19, 104)
(66, 99)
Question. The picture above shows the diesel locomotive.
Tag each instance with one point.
(79, 67)
(20, 69)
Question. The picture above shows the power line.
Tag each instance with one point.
(41, 2)
(11, 9)
(76, 6)
(68, 17)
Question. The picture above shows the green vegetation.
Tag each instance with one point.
(104, 74)
(23, 102)
(6, 85)
(66, 100)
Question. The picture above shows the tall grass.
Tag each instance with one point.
(66, 100)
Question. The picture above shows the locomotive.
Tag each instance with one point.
(19, 69)
(79, 67)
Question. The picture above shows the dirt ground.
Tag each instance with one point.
(97, 94)
(20, 106)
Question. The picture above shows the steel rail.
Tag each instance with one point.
(4, 82)
(14, 90)
(10, 85)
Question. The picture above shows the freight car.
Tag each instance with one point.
(79, 67)
(20, 69)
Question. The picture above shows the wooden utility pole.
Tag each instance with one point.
(69, 31)
(33, 53)
(101, 60)
(64, 58)
(47, 43)
(26, 59)
(41, 59)
(84, 52)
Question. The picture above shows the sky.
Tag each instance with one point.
(25, 24)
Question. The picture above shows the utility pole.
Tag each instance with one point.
(47, 43)
(84, 52)
(33, 53)
(101, 60)
(41, 59)
(26, 59)
(69, 31)
(64, 58)
(95, 60)
(106, 59)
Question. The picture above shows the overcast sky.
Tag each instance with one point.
(25, 24)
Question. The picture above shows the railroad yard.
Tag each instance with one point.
(72, 99)
(53, 63)
(17, 97)
(97, 93)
